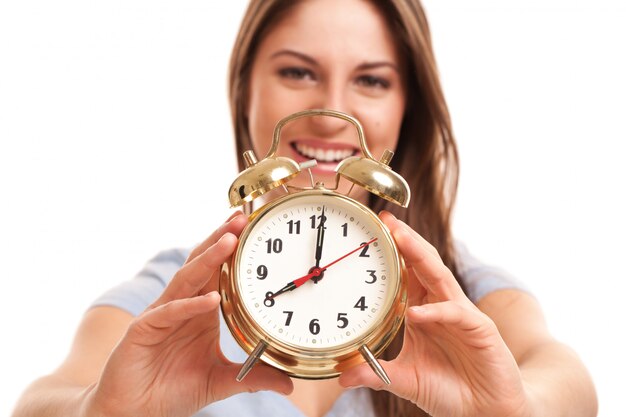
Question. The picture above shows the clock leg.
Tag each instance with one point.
(252, 359)
(373, 363)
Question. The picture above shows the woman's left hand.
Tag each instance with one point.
(453, 361)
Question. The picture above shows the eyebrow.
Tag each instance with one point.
(296, 54)
(312, 61)
(378, 64)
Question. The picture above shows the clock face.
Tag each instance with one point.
(317, 271)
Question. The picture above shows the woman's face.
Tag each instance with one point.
(330, 54)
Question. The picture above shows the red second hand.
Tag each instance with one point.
(315, 273)
(348, 254)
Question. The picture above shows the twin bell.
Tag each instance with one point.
(273, 171)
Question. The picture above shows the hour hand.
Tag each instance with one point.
(316, 272)
(289, 287)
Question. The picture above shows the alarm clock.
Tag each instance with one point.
(316, 285)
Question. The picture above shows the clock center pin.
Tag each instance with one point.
(318, 274)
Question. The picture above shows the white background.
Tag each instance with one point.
(115, 143)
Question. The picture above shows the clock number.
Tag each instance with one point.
(289, 315)
(344, 321)
(269, 301)
(261, 272)
(274, 245)
(372, 273)
(314, 326)
(364, 253)
(314, 217)
(345, 229)
(361, 304)
(294, 226)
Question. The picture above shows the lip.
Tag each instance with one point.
(322, 168)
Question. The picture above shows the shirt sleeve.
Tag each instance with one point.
(137, 294)
(481, 279)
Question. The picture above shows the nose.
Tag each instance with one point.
(333, 97)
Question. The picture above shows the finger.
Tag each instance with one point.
(429, 269)
(469, 323)
(393, 223)
(396, 227)
(417, 294)
(234, 224)
(466, 323)
(260, 378)
(213, 283)
(157, 324)
(192, 277)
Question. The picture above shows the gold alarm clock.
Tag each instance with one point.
(316, 284)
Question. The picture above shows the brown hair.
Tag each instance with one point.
(426, 155)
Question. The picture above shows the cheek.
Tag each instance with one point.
(260, 117)
(268, 104)
(382, 128)
(258, 130)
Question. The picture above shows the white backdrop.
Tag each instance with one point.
(115, 143)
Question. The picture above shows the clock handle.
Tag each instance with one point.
(252, 359)
(374, 364)
(319, 112)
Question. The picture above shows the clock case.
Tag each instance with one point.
(271, 172)
(310, 363)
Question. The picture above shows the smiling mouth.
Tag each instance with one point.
(322, 155)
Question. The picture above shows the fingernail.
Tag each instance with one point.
(400, 232)
(388, 213)
(213, 296)
(418, 309)
(222, 238)
(232, 216)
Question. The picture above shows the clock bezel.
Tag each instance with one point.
(309, 362)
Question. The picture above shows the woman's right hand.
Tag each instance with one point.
(169, 362)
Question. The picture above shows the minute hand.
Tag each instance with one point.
(319, 245)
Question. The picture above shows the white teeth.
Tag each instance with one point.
(323, 155)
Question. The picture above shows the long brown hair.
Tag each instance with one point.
(426, 155)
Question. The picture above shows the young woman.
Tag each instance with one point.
(474, 342)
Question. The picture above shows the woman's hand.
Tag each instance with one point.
(169, 362)
(453, 361)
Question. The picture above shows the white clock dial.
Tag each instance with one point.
(348, 300)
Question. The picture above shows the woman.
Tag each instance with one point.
(486, 355)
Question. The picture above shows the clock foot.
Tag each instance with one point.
(373, 363)
(252, 359)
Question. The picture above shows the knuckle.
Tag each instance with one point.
(441, 275)
(138, 327)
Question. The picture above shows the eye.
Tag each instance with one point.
(372, 81)
(296, 73)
